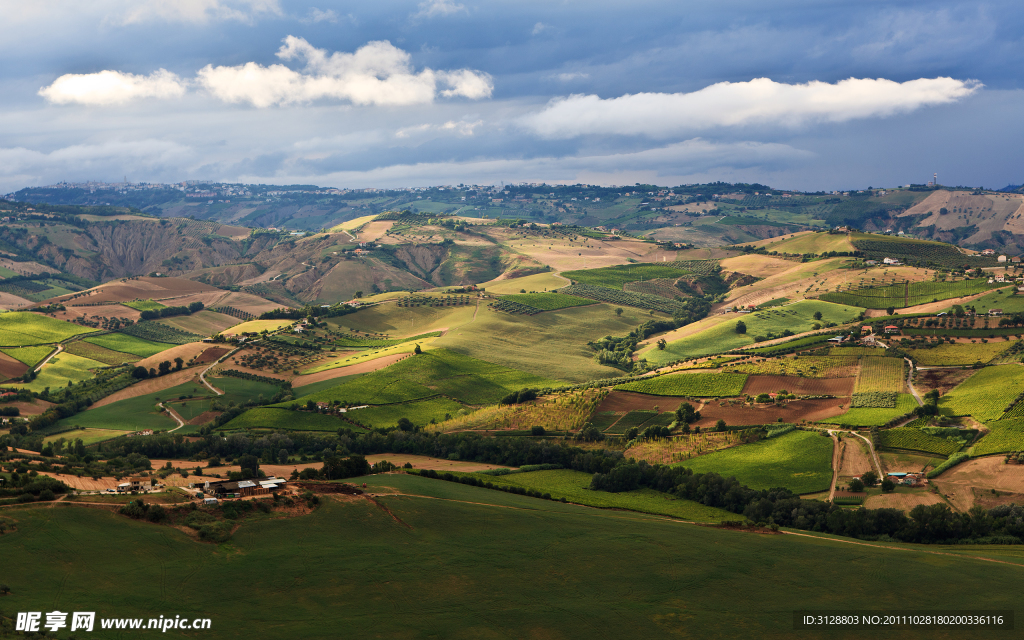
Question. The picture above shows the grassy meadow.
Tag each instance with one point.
(800, 461)
(22, 328)
(128, 344)
(62, 369)
(512, 568)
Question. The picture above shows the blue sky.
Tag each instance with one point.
(803, 94)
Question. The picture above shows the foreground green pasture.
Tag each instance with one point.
(800, 461)
(21, 328)
(473, 563)
(797, 317)
(574, 487)
(29, 355)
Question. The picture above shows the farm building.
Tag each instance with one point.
(892, 329)
(241, 488)
(865, 329)
(135, 484)
(995, 312)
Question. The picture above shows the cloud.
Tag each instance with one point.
(197, 11)
(376, 74)
(539, 27)
(112, 87)
(569, 77)
(729, 104)
(434, 8)
(318, 15)
(460, 127)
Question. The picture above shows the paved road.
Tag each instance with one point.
(202, 376)
(60, 348)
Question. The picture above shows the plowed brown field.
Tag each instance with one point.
(794, 412)
(800, 386)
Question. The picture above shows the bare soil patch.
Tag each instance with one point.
(629, 401)
(34, 408)
(185, 351)
(902, 501)
(340, 372)
(942, 379)
(147, 386)
(855, 459)
(793, 412)
(85, 483)
(142, 288)
(11, 301)
(11, 368)
(757, 384)
(210, 355)
(204, 417)
(986, 473)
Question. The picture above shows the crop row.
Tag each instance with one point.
(916, 440)
(880, 374)
(626, 298)
(986, 394)
(879, 399)
(924, 253)
(157, 332)
(699, 385)
(1004, 436)
(907, 294)
(803, 366)
(508, 306)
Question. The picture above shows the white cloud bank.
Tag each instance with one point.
(729, 104)
(112, 87)
(378, 73)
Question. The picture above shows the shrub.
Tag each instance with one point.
(197, 519)
(215, 532)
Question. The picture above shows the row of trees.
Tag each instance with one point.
(170, 312)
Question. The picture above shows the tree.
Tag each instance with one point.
(662, 344)
(537, 431)
(250, 466)
(282, 456)
(178, 362)
(140, 373)
(870, 478)
(741, 327)
(720, 425)
(405, 424)
(890, 310)
(856, 485)
(686, 414)
(817, 315)
(416, 350)
(618, 311)
(888, 485)
(359, 294)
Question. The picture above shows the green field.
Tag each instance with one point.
(797, 317)
(157, 332)
(420, 413)
(435, 372)
(615, 277)
(1005, 436)
(526, 567)
(87, 436)
(908, 294)
(912, 439)
(986, 394)
(134, 414)
(701, 385)
(574, 487)
(98, 353)
(875, 417)
(129, 344)
(1003, 299)
(800, 461)
(548, 301)
(22, 328)
(144, 305)
(60, 370)
(958, 354)
(29, 355)
(353, 340)
(269, 418)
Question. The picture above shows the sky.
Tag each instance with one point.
(796, 94)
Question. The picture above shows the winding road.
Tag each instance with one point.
(60, 348)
